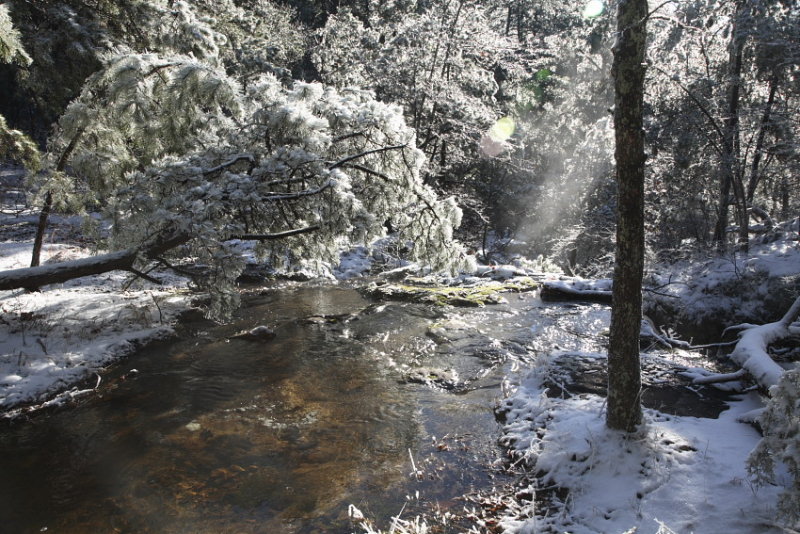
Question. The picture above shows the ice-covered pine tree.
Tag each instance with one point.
(11, 50)
(437, 61)
(175, 150)
(14, 145)
(780, 424)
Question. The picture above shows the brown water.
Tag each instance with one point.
(215, 434)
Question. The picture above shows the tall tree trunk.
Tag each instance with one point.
(755, 171)
(40, 229)
(730, 176)
(624, 377)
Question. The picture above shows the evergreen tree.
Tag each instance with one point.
(15, 146)
(174, 149)
(438, 63)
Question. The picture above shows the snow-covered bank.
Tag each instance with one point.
(680, 474)
(724, 290)
(55, 339)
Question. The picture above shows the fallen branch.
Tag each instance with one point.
(751, 350)
(278, 235)
(123, 260)
(56, 273)
(718, 378)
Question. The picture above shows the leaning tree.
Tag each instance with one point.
(183, 162)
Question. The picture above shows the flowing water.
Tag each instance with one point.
(379, 405)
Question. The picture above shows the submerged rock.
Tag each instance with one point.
(259, 333)
(444, 378)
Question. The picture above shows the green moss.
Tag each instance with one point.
(464, 296)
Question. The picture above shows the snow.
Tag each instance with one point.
(580, 286)
(678, 474)
(729, 286)
(751, 352)
(61, 337)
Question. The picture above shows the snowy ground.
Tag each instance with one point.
(679, 474)
(55, 342)
(733, 286)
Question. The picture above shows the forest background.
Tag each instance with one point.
(509, 102)
(477, 130)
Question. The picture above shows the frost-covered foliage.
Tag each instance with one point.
(436, 61)
(14, 145)
(780, 424)
(707, 119)
(171, 146)
(248, 37)
(69, 40)
(557, 177)
(11, 50)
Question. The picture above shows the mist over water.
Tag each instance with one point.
(573, 143)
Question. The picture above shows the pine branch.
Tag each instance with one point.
(367, 153)
(230, 163)
(278, 235)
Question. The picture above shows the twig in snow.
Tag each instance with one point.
(160, 314)
(414, 471)
(719, 378)
(139, 274)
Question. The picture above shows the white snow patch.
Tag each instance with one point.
(54, 339)
(684, 474)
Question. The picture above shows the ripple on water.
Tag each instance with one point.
(228, 435)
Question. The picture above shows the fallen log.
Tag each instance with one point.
(56, 273)
(123, 260)
(557, 291)
(750, 352)
(34, 277)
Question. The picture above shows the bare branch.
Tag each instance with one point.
(696, 101)
(367, 170)
(300, 194)
(278, 235)
(367, 153)
(719, 378)
(230, 163)
(347, 136)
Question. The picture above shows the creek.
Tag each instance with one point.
(383, 405)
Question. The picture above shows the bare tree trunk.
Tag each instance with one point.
(624, 376)
(41, 228)
(731, 147)
(44, 215)
(123, 260)
(755, 171)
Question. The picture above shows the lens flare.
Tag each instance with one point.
(502, 129)
(493, 142)
(593, 9)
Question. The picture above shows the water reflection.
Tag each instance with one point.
(218, 434)
(224, 435)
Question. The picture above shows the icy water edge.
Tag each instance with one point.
(387, 406)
